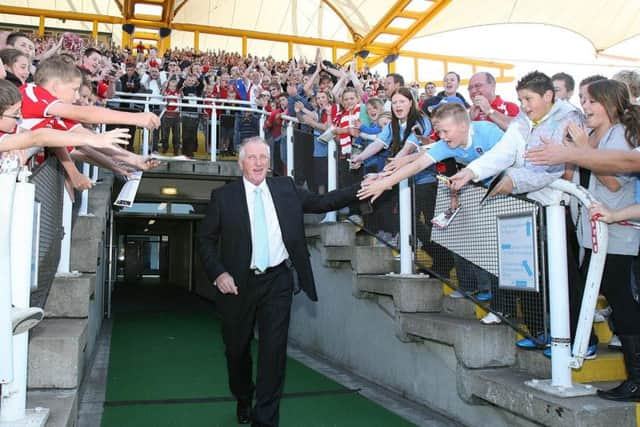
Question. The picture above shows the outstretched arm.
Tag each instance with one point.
(375, 188)
(99, 115)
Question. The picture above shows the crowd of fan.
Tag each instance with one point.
(385, 131)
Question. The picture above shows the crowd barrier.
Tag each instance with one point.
(36, 219)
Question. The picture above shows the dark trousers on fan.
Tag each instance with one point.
(265, 300)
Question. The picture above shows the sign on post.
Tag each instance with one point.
(518, 252)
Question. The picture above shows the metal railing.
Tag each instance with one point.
(35, 224)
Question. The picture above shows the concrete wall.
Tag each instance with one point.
(359, 335)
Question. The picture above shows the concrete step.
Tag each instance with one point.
(476, 345)
(62, 405)
(338, 234)
(411, 293)
(372, 260)
(459, 307)
(85, 254)
(56, 353)
(88, 227)
(505, 388)
(607, 366)
(333, 256)
(69, 296)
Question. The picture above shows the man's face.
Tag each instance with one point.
(25, 46)
(92, 62)
(478, 85)
(452, 132)
(389, 84)
(154, 73)
(430, 89)
(255, 162)
(560, 88)
(534, 105)
(130, 71)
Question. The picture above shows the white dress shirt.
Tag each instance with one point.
(277, 251)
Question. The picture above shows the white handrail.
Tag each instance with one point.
(561, 359)
(594, 274)
(8, 174)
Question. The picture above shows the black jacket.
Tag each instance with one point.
(225, 234)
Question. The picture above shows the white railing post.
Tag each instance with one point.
(95, 171)
(261, 125)
(213, 136)
(65, 246)
(290, 148)
(84, 197)
(14, 394)
(561, 358)
(145, 135)
(406, 254)
(558, 297)
(332, 176)
(8, 174)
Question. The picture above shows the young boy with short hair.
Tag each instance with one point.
(542, 119)
(49, 102)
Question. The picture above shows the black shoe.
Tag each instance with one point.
(628, 391)
(243, 411)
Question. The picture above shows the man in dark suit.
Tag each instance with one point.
(253, 248)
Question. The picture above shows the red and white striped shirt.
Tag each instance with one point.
(347, 120)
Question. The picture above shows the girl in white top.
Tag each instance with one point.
(615, 124)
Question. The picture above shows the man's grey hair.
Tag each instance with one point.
(490, 79)
(253, 140)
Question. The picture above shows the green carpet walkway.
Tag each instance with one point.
(167, 368)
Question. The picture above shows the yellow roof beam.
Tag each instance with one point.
(259, 35)
(395, 31)
(410, 14)
(180, 6)
(128, 9)
(119, 4)
(60, 14)
(378, 29)
(427, 17)
(167, 11)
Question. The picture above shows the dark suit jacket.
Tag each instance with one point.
(225, 236)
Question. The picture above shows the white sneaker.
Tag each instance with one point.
(456, 295)
(602, 315)
(598, 317)
(614, 343)
(491, 319)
